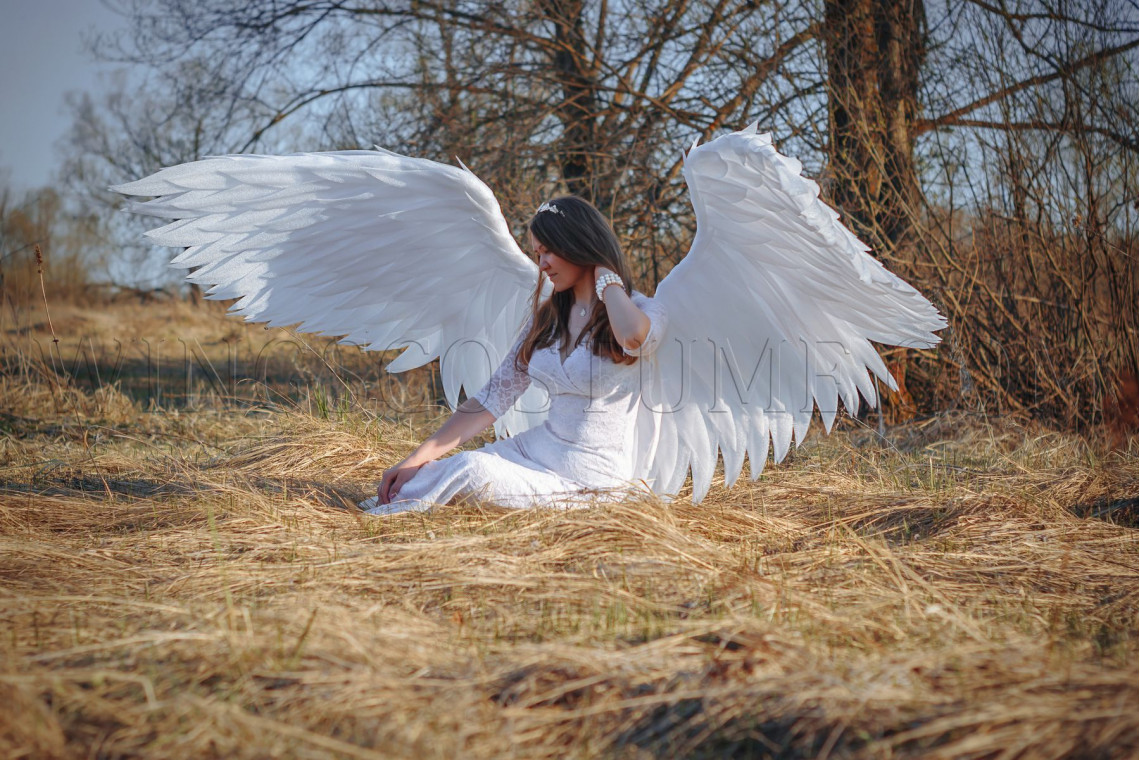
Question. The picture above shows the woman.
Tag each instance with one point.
(582, 345)
(772, 313)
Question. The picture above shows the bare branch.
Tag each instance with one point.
(1010, 17)
(925, 125)
(1124, 141)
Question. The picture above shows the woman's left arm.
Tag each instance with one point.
(629, 323)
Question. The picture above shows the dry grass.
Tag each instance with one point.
(197, 584)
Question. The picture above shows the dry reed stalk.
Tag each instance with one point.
(43, 292)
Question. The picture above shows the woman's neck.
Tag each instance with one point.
(584, 291)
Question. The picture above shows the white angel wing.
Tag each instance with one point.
(772, 311)
(385, 250)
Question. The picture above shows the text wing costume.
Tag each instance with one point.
(385, 250)
(774, 307)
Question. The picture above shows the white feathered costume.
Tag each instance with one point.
(770, 314)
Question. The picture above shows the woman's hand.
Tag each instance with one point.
(599, 271)
(394, 479)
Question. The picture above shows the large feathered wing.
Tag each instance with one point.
(770, 314)
(382, 250)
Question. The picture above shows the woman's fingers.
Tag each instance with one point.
(385, 490)
(393, 480)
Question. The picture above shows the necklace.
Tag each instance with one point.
(582, 311)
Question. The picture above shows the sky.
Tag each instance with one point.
(42, 58)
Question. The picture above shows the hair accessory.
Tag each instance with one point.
(548, 206)
(604, 281)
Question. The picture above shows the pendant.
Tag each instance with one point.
(582, 312)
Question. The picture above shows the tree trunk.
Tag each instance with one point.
(578, 110)
(875, 49)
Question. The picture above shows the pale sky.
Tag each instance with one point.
(41, 58)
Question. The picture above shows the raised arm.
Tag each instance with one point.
(628, 322)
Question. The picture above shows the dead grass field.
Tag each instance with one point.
(194, 581)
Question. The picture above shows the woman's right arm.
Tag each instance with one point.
(467, 421)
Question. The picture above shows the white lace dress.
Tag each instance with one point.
(582, 452)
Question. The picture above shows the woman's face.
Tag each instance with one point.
(562, 274)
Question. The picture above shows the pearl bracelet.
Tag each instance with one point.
(604, 281)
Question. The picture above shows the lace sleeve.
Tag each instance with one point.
(658, 322)
(507, 383)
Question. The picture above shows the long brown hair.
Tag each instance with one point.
(573, 229)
